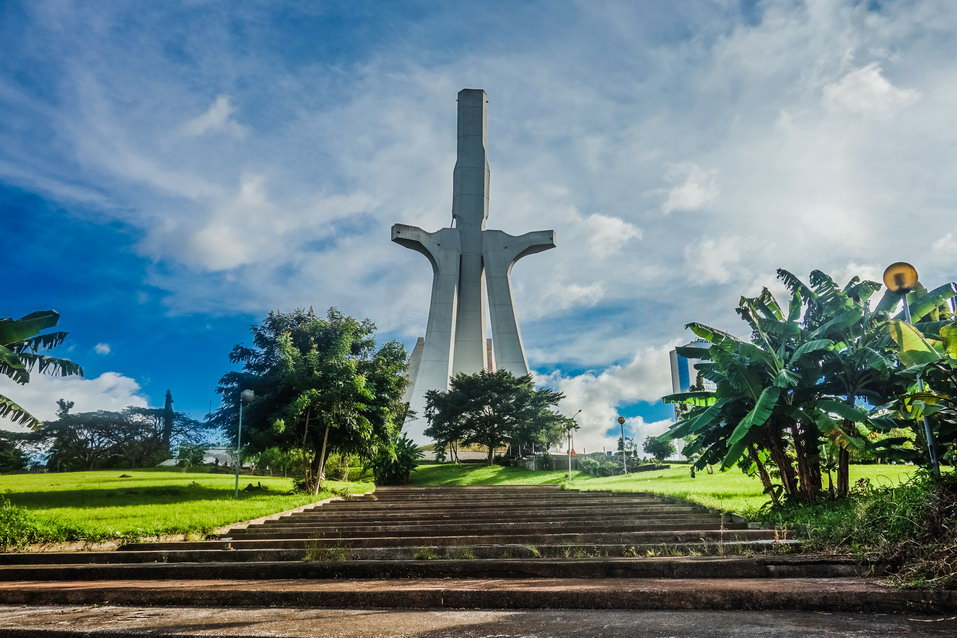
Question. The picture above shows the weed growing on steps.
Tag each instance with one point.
(534, 551)
(460, 553)
(319, 553)
(425, 553)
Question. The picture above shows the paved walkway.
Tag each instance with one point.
(56, 622)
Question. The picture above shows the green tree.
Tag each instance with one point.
(321, 386)
(493, 409)
(20, 346)
(658, 449)
(131, 438)
(13, 458)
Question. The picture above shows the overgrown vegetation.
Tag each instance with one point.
(910, 529)
(819, 381)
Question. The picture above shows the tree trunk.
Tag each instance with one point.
(843, 472)
(322, 463)
(763, 473)
(313, 472)
(305, 464)
(779, 456)
(491, 454)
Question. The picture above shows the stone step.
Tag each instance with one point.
(812, 594)
(499, 513)
(695, 567)
(465, 516)
(318, 524)
(333, 531)
(606, 538)
(398, 553)
(492, 504)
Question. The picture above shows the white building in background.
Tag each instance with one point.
(683, 372)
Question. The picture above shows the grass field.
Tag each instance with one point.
(131, 504)
(731, 491)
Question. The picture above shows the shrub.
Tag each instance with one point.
(910, 528)
(396, 468)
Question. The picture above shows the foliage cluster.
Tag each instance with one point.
(134, 437)
(21, 344)
(910, 528)
(396, 468)
(493, 409)
(321, 386)
(819, 380)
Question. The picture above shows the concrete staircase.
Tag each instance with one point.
(479, 547)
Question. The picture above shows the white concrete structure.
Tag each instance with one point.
(466, 261)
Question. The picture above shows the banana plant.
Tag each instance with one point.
(795, 389)
(931, 359)
(21, 342)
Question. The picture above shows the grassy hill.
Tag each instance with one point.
(131, 504)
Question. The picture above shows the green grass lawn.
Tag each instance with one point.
(155, 502)
(731, 491)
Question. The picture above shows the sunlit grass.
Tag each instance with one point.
(731, 491)
(144, 503)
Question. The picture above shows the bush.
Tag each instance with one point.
(910, 528)
(395, 468)
(18, 528)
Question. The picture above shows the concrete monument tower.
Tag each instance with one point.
(466, 261)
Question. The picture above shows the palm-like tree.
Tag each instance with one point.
(791, 391)
(20, 354)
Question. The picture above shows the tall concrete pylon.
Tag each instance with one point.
(468, 260)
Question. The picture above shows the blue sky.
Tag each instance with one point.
(170, 172)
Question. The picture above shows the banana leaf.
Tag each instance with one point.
(13, 331)
(915, 349)
(756, 417)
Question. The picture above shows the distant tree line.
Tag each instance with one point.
(74, 441)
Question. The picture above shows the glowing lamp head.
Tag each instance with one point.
(900, 277)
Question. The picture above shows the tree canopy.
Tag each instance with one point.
(493, 409)
(321, 386)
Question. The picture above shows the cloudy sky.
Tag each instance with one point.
(170, 172)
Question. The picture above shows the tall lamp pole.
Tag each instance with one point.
(568, 433)
(624, 461)
(902, 278)
(245, 398)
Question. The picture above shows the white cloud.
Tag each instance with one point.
(109, 391)
(608, 235)
(646, 377)
(693, 188)
(102, 348)
(219, 117)
(804, 129)
(866, 91)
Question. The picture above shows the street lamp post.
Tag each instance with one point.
(901, 277)
(624, 461)
(568, 433)
(244, 399)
